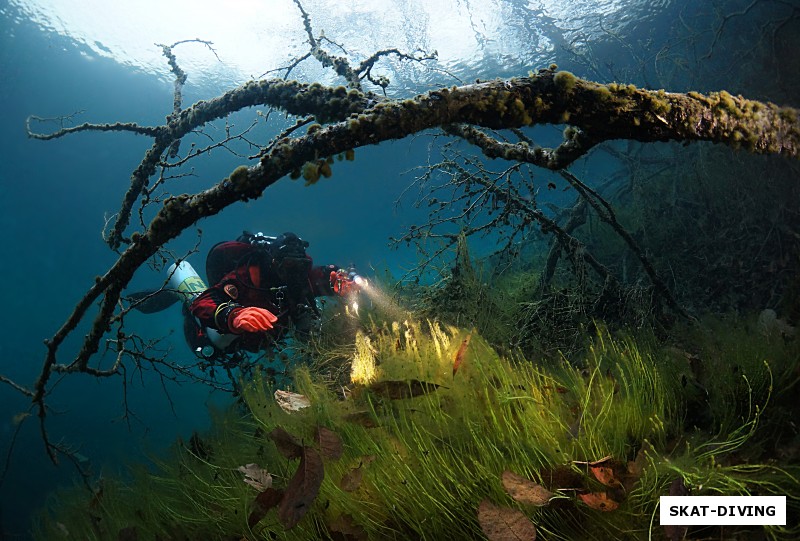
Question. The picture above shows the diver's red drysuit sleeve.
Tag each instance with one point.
(215, 308)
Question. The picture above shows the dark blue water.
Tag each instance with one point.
(54, 195)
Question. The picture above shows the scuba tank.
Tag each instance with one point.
(187, 285)
(185, 281)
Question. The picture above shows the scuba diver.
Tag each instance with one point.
(261, 288)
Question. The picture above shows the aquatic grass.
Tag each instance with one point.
(738, 364)
(505, 424)
(417, 467)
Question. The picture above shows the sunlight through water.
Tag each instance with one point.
(253, 37)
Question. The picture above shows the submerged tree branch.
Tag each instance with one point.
(771, 129)
(600, 112)
(86, 126)
(606, 213)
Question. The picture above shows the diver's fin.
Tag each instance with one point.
(154, 301)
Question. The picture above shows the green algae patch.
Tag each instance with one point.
(435, 425)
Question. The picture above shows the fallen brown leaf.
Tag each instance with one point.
(330, 444)
(344, 528)
(263, 503)
(504, 523)
(562, 477)
(287, 444)
(606, 475)
(634, 470)
(302, 489)
(606, 470)
(524, 490)
(678, 488)
(291, 402)
(352, 479)
(256, 476)
(673, 531)
(599, 501)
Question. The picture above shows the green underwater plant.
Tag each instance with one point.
(439, 437)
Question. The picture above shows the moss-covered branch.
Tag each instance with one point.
(341, 64)
(180, 80)
(602, 112)
(87, 126)
(293, 97)
(613, 111)
(496, 104)
(576, 144)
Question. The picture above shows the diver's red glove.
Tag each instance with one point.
(251, 319)
(342, 284)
